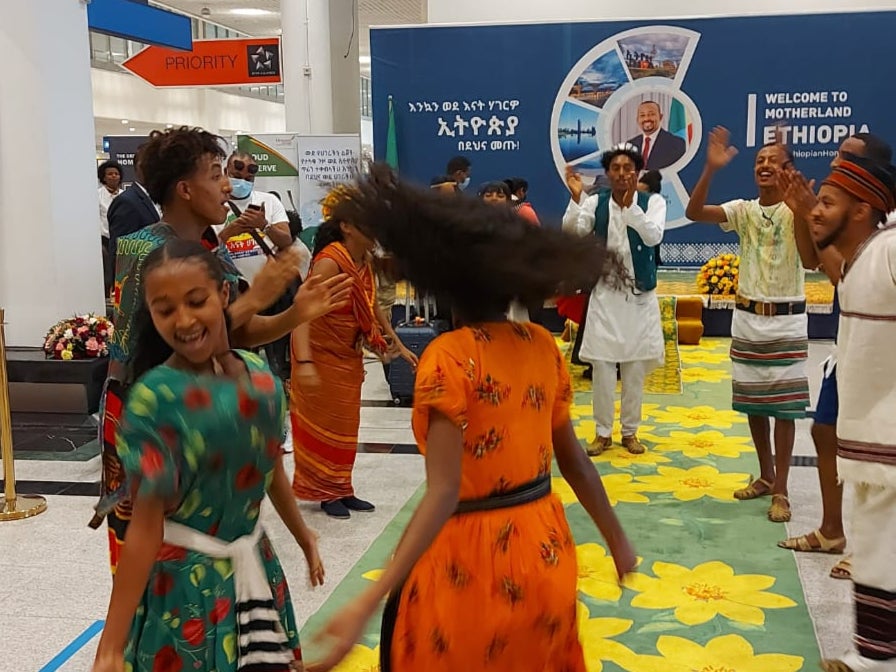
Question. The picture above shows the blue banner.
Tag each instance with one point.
(527, 100)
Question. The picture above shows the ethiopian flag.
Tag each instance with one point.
(391, 140)
(679, 124)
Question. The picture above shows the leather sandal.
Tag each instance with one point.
(779, 511)
(752, 491)
(814, 542)
(599, 445)
(843, 569)
(835, 666)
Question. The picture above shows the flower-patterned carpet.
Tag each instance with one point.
(712, 593)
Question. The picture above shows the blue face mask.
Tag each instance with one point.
(466, 183)
(240, 189)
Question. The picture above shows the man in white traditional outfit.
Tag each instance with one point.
(622, 325)
(852, 202)
(769, 327)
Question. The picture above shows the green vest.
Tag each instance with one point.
(643, 259)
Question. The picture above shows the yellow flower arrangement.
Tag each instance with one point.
(718, 276)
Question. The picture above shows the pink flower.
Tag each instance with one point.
(59, 347)
(92, 344)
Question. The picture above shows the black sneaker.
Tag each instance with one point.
(354, 504)
(336, 509)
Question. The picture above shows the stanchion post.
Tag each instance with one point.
(15, 507)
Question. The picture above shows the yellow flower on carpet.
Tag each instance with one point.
(580, 411)
(360, 659)
(700, 374)
(728, 653)
(712, 589)
(691, 484)
(373, 575)
(597, 573)
(701, 444)
(690, 417)
(620, 458)
(619, 487)
(694, 355)
(595, 635)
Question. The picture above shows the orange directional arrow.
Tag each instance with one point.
(211, 63)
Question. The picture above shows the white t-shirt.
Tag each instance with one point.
(246, 253)
(106, 199)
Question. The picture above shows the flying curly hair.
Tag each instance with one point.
(475, 255)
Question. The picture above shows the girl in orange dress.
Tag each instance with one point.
(484, 577)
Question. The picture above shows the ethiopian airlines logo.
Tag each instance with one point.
(264, 60)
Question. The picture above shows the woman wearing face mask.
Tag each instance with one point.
(252, 211)
(200, 442)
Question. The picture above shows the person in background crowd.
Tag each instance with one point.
(200, 441)
(184, 173)
(852, 204)
(769, 327)
(495, 193)
(830, 536)
(444, 184)
(621, 327)
(651, 182)
(484, 576)
(108, 173)
(133, 209)
(498, 194)
(459, 169)
(328, 365)
(257, 213)
(519, 191)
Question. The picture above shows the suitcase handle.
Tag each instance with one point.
(427, 300)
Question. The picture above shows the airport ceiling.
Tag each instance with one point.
(262, 17)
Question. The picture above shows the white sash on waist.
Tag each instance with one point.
(262, 640)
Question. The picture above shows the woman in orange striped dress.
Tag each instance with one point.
(488, 538)
(328, 369)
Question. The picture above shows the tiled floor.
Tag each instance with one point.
(54, 584)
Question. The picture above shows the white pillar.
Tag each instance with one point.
(345, 69)
(306, 66)
(50, 257)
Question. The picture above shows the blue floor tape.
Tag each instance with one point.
(73, 648)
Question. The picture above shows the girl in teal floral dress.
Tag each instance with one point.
(199, 587)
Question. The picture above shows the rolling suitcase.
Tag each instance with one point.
(416, 334)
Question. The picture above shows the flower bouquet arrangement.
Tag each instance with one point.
(79, 337)
(718, 276)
